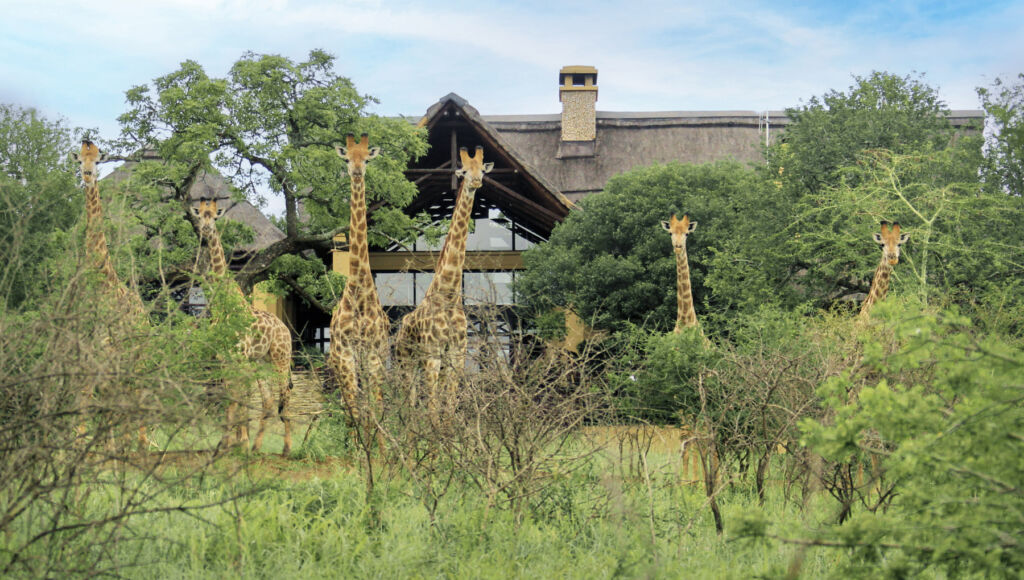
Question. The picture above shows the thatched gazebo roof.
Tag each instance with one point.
(211, 184)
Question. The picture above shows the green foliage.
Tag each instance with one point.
(329, 435)
(39, 201)
(312, 276)
(660, 385)
(80, 380)
(308, 521)
(882, 150)
(271, 127)
(1004, 105)
(880, 111)
(951, 437)
(962, 237)
(613, 264)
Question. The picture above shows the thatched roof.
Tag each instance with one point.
(516, 187)
(211, 184)
(627, 140)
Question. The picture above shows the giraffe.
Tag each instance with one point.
(89, 157)
(435, 332)
(359, 326)
(890, 239)
(267, 338)
(128, 303)
(686, 316)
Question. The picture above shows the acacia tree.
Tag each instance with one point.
(813, 244)
(271, 126)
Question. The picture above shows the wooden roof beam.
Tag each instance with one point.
(527, 204)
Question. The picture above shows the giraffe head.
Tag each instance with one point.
(357, 153)
(891, 240)
(679, 230)
(473, 168)
(88, 158)
(207, 213)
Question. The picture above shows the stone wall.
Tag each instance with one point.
(579, 116)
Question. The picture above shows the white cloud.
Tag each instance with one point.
(504, 57)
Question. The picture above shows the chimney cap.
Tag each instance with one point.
(578, 76)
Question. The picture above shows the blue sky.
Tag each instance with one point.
(76, 59)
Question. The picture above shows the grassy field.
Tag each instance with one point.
(616, 515)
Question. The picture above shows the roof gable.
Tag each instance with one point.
(513, 185)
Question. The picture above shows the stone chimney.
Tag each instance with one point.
(577, 90)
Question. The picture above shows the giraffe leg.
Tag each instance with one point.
(284, 413)
(233, 432)
(144, 441)
(342, 362)
(268, 410)
(375, 397)
(456, 368)
(404, 354)
(432, 376)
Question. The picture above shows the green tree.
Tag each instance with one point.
(1004, 105)
(270, 126)
(951, 436)
(883, 150)
(613, 264)
(961, 235)
(880, 111)
(39, 201)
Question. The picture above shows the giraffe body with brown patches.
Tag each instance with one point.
(267, 338)
(890, 239)
(686, 315)
(359, 326)
(434, 334)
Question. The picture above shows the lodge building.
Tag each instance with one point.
(543, 164)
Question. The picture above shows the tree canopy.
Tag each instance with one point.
(1004, 106)
(270, 126)
(879, 111)
(39, 198)
(612, 263)
(796, 231)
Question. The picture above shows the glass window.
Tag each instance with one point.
(395, 288)
(195, 301)
(521, 242)
(488, 287)
(489, 236)
(423, 280)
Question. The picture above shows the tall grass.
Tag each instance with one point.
(594, 523)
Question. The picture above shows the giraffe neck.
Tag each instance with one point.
(95, 239)
(360, 278)
(685, 313)
(219, 263)
(879, 286)
(447, 282)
